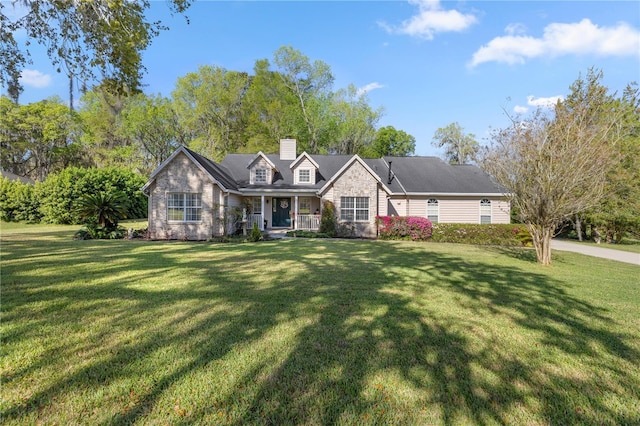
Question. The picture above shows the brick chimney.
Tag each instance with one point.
(288, 149)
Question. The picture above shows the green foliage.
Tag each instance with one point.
(96, 232)
(389, 141)
(151, 123)
(299, 233)
(38, 138)
(328, 223)
(256, 234)
(17, 202)
(83, 38)
(59, 193)
(104, 209)
(497, 234)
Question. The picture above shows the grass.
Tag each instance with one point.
(312, 332)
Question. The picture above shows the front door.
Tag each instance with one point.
(281, 210)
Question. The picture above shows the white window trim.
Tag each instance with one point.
(311, 176)
(490, 215)
(437, 204)
(255, 175)
(184, 207)
(355, 209)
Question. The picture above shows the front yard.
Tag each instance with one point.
(311, 331)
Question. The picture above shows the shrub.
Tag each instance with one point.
(256, 234)
(60, 191)
(307, 234)
(96, 232)
(328, 220)
(404, 228)
(17, 202)
(469, 233)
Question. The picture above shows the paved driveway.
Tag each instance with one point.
(619, 255)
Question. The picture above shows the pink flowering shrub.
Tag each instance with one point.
(404, 228)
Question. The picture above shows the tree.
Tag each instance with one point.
(354, 121)
(209, 105)
(553, 166)
(311, 85)
(37, 138)
(87, 38)
(460, 148)
(152, 125)
(389, 141)
(100, 117)
(619, 211)
(270, 109)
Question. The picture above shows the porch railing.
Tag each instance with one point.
(308, 222)
(255, 218)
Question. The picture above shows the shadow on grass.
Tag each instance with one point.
(311, 332)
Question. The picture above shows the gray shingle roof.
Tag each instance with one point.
(424, 175)
(237, 164)
(432, 175)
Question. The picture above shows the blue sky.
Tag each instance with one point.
(428, 63)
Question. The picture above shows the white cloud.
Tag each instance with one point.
(369, 87)
(532, 101)
(431, 19)
(549, 102)
(35, 78)
(513, 29)
(558, 39)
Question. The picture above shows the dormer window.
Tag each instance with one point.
(304, 176)
(304, 170)
(261, 176)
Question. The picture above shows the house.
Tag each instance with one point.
(189, 194)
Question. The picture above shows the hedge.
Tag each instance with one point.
(469, 233)
(53, 200)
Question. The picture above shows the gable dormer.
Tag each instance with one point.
(304, 170)
(261, 170)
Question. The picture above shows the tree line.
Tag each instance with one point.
(213, 111)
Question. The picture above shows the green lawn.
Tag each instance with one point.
(312, 332)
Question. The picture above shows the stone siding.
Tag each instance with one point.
(180, 175)
(356, 181)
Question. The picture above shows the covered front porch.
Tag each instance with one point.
(284, 211)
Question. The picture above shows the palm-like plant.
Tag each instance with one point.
(103, 208)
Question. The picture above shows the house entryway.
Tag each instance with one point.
(281, 212)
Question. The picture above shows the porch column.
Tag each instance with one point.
(262, 213)
(295, 213)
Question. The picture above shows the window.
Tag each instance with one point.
(305, 205)
(184, 207)
(432, 210)
(260, 176)
(354, 209)
(304, 176)
(256, 205)
(485, 211)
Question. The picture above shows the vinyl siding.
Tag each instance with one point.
(459, 210)
(500, 212)
(308, 165)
